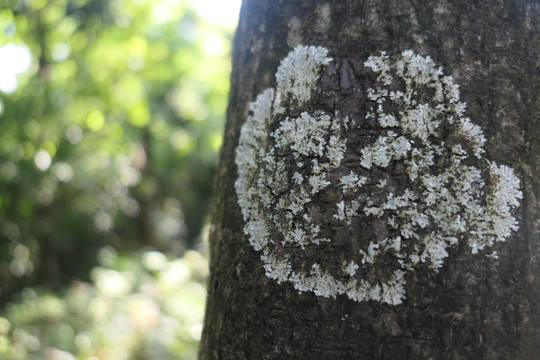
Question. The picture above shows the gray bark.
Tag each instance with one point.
(473, 308)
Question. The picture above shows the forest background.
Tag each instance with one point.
(111, 117)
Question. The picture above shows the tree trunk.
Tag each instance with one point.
(373, 209)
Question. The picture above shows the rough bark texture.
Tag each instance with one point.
(474, 308)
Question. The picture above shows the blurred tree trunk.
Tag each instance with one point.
(471, 309)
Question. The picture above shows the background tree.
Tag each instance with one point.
(464, 255)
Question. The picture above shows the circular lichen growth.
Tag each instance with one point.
(413, 192)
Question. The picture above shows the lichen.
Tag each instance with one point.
(298, 198)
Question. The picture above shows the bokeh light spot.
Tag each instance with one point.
(74, 134)
(42, 160)
(95, 120)
(14, 59)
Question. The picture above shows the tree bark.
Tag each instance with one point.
(473, 306)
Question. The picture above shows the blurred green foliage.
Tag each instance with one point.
(111, 116)
(109, 139)
(145, 306)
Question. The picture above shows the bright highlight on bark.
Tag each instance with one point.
(299, 198)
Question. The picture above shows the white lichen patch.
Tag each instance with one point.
(356, 228)
(297, 74)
